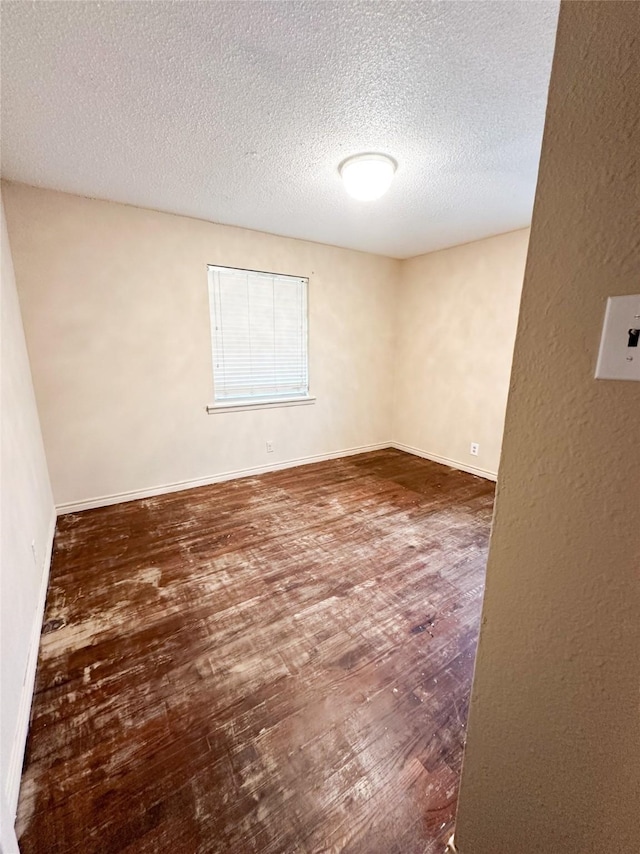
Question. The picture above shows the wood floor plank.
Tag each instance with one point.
(277, 664)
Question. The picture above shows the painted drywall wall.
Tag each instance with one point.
(28, 516)
(115, 308)
(116, 314)
(457, 315)
(553, 752)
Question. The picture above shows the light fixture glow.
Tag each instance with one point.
(367, 176)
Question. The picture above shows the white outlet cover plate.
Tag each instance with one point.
(616, 360)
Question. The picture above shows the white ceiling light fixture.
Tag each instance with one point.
(367, 176)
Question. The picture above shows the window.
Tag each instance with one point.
(259, 338)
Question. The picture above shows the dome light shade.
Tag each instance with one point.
(367, 176)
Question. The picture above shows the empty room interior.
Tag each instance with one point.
(320, 427)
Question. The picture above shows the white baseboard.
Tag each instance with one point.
(14, 771)
(134, 495)
(8, 841)
(163, 489)
(454, 464)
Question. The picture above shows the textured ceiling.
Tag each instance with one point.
(240, 112)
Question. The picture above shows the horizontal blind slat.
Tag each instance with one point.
(259, 334)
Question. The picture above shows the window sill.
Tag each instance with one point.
(275, 403)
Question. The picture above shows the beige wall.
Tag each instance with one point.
(115, 309)
(27, 516)
(553, 751)
(457, 319)
(116, 315)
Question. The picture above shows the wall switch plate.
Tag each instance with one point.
(474, 450)
(269, 447)
(619, 357)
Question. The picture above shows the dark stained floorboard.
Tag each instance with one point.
(277, 664)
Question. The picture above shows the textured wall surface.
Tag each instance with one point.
(241, 112)
(457, 315)
(115, 308)
(27, 515)
(553, 751)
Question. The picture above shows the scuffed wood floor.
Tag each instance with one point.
(275, 664)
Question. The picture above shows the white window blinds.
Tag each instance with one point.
(259, 335)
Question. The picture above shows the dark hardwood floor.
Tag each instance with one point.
(275, 664)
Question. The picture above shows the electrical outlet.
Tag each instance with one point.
(269, 447)
(474, 450)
